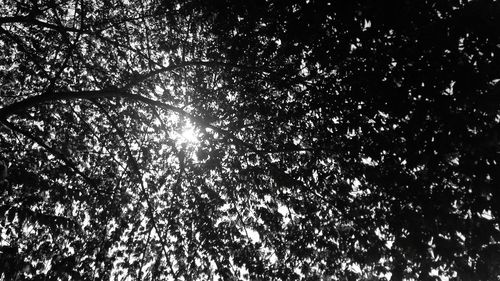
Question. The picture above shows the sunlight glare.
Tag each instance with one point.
(185, 134)
(189, 135)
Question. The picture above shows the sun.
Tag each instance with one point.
(189, 135)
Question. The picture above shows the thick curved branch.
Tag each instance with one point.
(23, 105)
(28, 20)
(113, 92)
(276, 172)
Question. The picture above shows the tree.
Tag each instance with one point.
(342, 140)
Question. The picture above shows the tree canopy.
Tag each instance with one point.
(254, 140)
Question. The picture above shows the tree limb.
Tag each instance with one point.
(33, 21)
(123, 93)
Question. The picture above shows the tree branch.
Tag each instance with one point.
(33, 21)
(109, 93)
(113, 92)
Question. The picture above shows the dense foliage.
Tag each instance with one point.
(205, 140)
